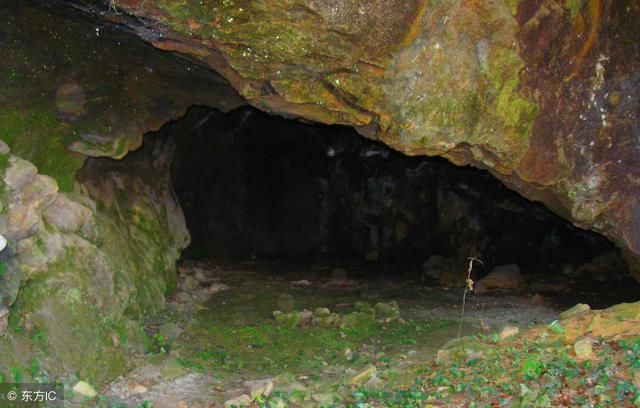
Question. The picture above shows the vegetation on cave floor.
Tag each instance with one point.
(233, 337)
(541, 372)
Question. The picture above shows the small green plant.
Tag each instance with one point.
(16, 374)
(160, 344)
(34, 368)
(556, 327)
(532, 369)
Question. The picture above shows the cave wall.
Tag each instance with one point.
(82, 267)
(85, 260)
(252, 184)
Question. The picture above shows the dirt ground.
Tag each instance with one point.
(217, 338)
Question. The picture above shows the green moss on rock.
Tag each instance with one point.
(40, 137)
(573, 8)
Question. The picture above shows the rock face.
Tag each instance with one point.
(544, 94)
(84, 265)
(85, 260)
(73, 87)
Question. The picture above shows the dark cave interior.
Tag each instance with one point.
(255, 186)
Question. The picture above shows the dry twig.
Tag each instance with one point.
(468, 287)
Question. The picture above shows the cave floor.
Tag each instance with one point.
(217, 335)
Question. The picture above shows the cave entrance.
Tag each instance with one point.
(261, 188)
(321, 262)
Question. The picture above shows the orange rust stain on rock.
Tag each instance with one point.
(415, 26)
(595, 10)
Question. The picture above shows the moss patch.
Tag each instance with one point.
(573, 8)
(40, 137)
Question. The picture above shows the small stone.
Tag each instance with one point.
(356, 319)
(293, 319)
(170, 331)
(218, 287)
(363, 376)
(188, 284)
(443, 357)
(259, 388)
(578, 309)
(138, 389)
(460, 349)
(84, 389)
(324, 320)
(508, 331)
(348, 354)
(322, 311)
(3, 243)
(373, 384)
(303, 282)
(237, 402)
(307, 317)
(388, 310)
(583, 349)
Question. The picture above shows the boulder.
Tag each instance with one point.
(583, 349)
(259, 388)
(508, 331)
(67, 215)
(363, 376)
(501, 278)
(84, 389)
(578, 309)
(387, 311)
